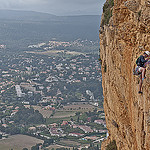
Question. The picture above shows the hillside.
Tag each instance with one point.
(124, 35)
(25, 15)
(18, 29)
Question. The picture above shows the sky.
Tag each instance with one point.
(56, 7)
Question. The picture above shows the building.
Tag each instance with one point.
(19, 92)
(33, 129)
(100, 122)
(86, 129)
(75, 134)
(64, 123)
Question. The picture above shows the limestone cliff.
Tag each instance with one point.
(124, 35)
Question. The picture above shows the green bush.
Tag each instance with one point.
(100, 61)
(24, 149)
(107, 10)
(112, 146)
(108, 5)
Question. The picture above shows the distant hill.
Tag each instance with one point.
(25, 15)
(21, 28)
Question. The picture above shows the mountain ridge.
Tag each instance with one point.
(27, 15)
(21, 29)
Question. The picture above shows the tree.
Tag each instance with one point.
(97, 147)
(24, 149)
(36, 147)
(112, 146)
(28, 116)
(78, 119)
(77, 113)
(95, 110)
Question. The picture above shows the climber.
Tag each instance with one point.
(141, 68)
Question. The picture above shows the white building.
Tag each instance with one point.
(19, 92)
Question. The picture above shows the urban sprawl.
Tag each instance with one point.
(52, 95)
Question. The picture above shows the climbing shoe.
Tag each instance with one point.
(140, 92)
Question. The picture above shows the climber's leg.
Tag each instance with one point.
(140, 85)
(143, 70)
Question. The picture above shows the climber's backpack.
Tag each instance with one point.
(136, 70)
(138, 62)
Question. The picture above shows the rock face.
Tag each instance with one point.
(122, 41)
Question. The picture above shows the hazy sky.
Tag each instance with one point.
(56, 7)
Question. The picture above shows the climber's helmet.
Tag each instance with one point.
(147, 53)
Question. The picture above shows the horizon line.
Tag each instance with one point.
(50, 13)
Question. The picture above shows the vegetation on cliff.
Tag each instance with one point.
(112, 146)
(107, 11)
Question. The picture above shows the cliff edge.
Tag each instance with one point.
(124, 36)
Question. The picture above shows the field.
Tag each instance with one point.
(55, 52)
(58, 146)
(63, 114)
(69, 111)
(18, 142)
(79, 107)
(45, 113)
(59, 120)
(66, 144)
(69, 143)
